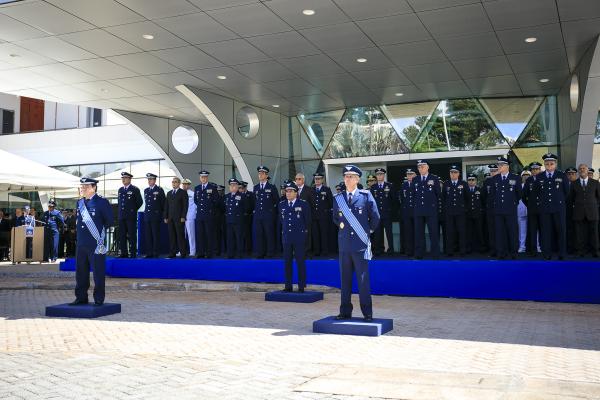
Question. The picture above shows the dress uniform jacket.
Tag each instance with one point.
(236, 205)
(130, 200)
(454, 195)
(552, 193)
(265, 208)
(532, 202)
(207, 201)
(407, 217)
(426, 197)
(54, 225)
(154, 198)
(294, 222)
(385, 198)
(475, 213)
(506, 193)
(322, 204)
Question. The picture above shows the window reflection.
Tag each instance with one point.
(542, 130)
(320, 127)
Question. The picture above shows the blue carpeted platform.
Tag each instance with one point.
(354, 326)
(575, 281)
(83, 311)
(294, 297)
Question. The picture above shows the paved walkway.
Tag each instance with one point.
(233, 345)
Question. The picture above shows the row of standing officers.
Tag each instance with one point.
(468, 217)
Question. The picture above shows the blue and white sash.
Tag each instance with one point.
(89, 222)
(362, 235)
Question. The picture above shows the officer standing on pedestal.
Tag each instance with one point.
(455, 204)
(206, 198)
(265, 208)
(54, 223)
(553, 193)
(321, 216)
(154, 197)
(407, 213)
(506, 193)
(426, 197)
(474, 213)
(294, 219)
(94, 217)
(130, 200)
(385, 197)
(355, 214)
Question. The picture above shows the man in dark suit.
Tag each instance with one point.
(584, 194)
(176, 209)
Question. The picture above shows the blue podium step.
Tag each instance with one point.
(83, 311)
(353, 326)
(294, 297)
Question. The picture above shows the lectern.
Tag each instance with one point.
(27, 244)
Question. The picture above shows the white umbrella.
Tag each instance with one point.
(18, 174)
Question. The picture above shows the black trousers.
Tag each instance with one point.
(294, 250)
(86, 260)
(474, 230)
(533, 232)
(553, 230)
(408, 234)
(353, 262)
(152, 233)
(321, 231)
(456, 233)
(490, 220)
(128, 233)
(586, 232)
(177, 240)
(205, 237)
(507, 235)
(434, 234)
(385, 224)
(235, 240)
(264, 236)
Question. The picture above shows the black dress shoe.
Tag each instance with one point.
(300, 290)
(79, 303)
(170, 256)
(287, 290)
(123, 256)
(98, 303)
(148, 256)
(342, 316)
(368, 318)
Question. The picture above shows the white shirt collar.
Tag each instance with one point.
(127, 187)
(353, 192)
(319, 187)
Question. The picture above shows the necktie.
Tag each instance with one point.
(423, 179)
(290, 204)
(349, 198)
(503, 178)
(583, 183)
(174, 191)
(380, 186)
(262, 186)
(203, 188)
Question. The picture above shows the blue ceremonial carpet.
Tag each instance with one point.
(575, 281)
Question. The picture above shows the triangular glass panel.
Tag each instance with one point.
(511, 114)
(527, 155)
(542, 129)
(364, 131)
(460, 124)
(319, 127)
(409, 119)
(597, 136)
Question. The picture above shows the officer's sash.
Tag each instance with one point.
(362, 235)
(89, 222)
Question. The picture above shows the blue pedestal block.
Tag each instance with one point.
(353, 326)
(83, 311)
(294, 297)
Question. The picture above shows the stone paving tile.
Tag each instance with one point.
(235, 345)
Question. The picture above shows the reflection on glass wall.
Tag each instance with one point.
(409, 119)
(319, 127)
(364, 131)
(596, 156)
(527, 155)
(542, 130)
(459, 125)
(510, 115)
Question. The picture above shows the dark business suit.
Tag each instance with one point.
(585, 202)
(175, 209)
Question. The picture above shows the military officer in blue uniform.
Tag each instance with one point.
(407, 213)
(265, 208)
(54, 223)
(474, 216)
(94, 218)
(552, 192)
(321, 215)
(236, 205)
(506, 193)
(206, 198)
(455, 205)
(130, 200)
(385, 197)
(355, 214)
(488, 201)
(426, 196)
(154, 199)
(248, 217)
(571, 173)
(294, 219)
(532, 201)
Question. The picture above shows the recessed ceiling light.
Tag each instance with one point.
(221, 77)
(171, 116)
(361, 60)
(308, 12)
(544, 80)
(531, 39)
(148, 36)
(399, 94)
(276, 105)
